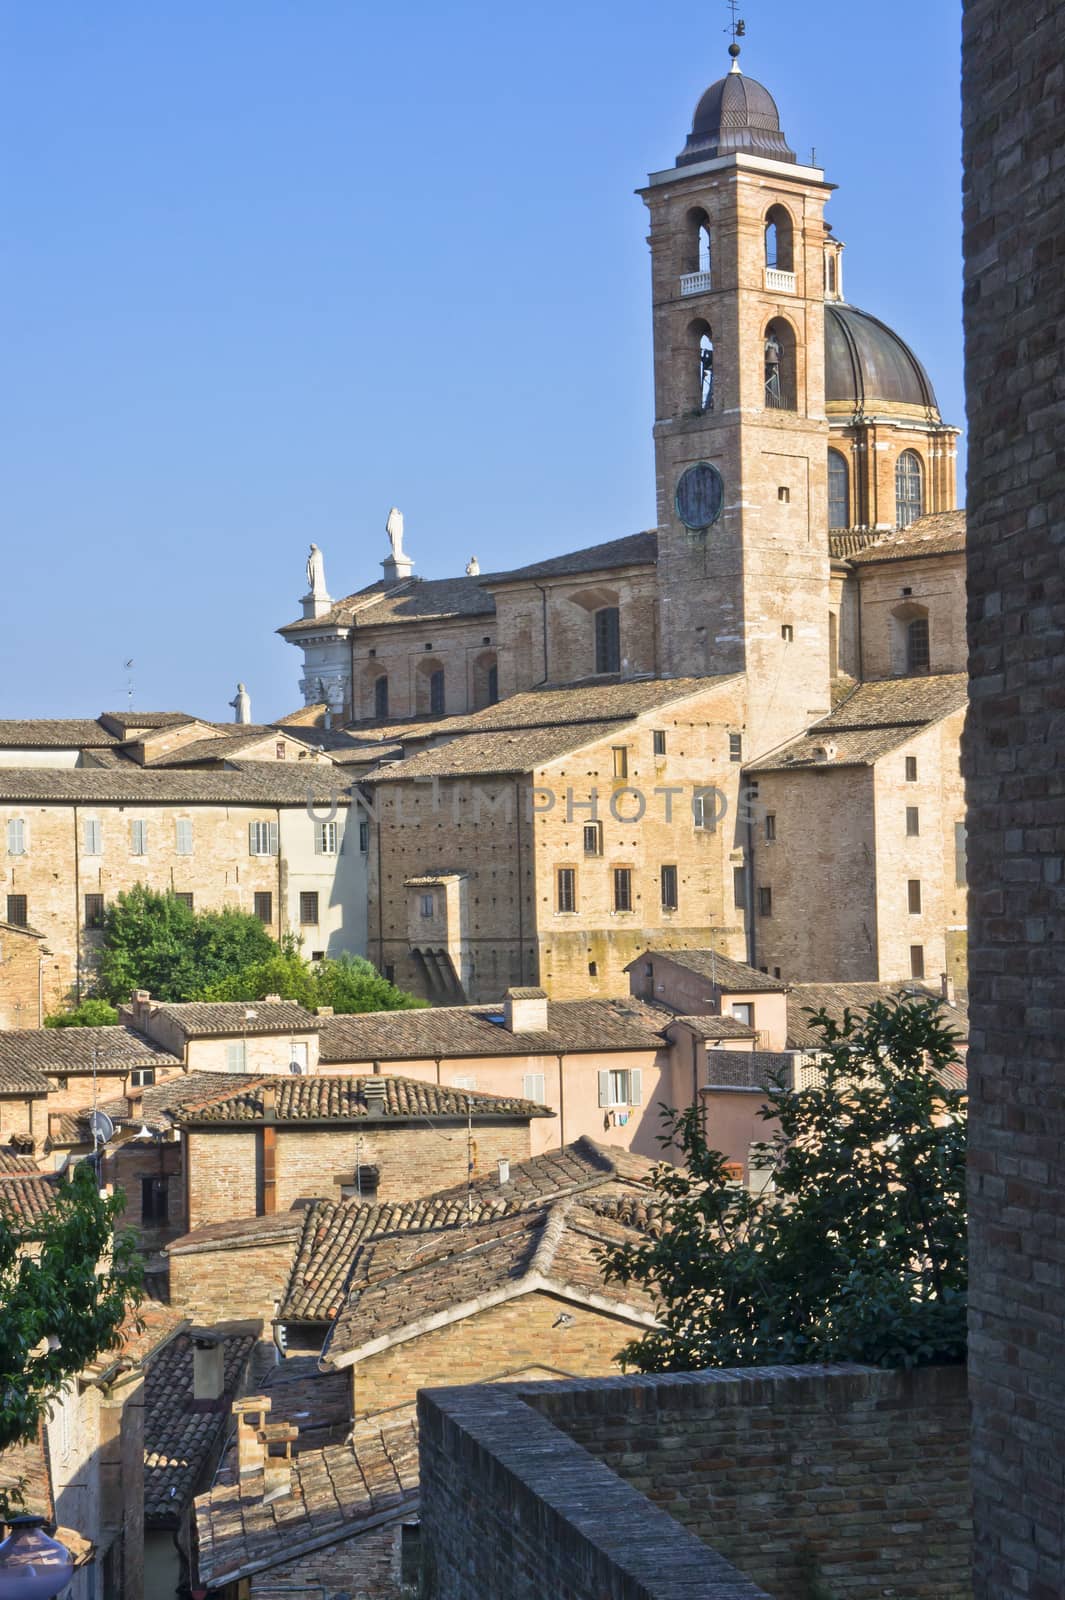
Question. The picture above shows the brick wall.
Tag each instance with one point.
(827, 1482)
(20, 974)
(231, 1284)
(222, 1175)
(1014, 105)
(860, 1476)
(500, 1340)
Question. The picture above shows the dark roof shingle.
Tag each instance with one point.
(64, 1051)
(258, 783)
(572, 1026)
(875, 719)
(179, 1442)
(326, 1098)
(731, 976)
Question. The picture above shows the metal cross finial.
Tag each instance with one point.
(738, 29)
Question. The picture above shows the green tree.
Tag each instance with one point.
(155, 941)
(89, 1014)
(857, 1252)
(347, 983)
(68, 1281)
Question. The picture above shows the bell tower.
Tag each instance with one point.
(741, 436)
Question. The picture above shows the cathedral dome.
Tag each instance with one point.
(736, 113)
(869, 369)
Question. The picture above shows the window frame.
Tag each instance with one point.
(620, 760)
(917, 961)
(658, 742)
(16, 836)
(913, 822)
(565, 890)
(622, 878)
(911, 769)
(183, 841)
(909, 488)
(765, 900)
(256, 835)
(914, 897)
(594, 831)
(620, 1088)
(14, 901)
(607, 626)
(839, 492)
(94, 917)
(138, 836)
(91, 837)
(258, 896)
(306, 897)
(735, 746)
(326, 838)
(672, 903)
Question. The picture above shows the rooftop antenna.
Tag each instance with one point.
(738, 29)
(129, 681)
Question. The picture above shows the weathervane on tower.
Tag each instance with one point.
(738, 30)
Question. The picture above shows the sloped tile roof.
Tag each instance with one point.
(316, 1402)
(63, 1051)
(333, 1233)
(592, 701)
(200, 1019)
(25, 1197)
(836, 998)
(572, 1026)
(397, 1282)
(736, 1069)
(717, 1027)
(337, 1490)
(19, 928)
(235, 1233)
(18, 1076)
(424, 600)
(180, 1443)
(158, 1105)
(127, 723)
(60, 733)
(939, 533)
(12, 1164)
(320, 1097)
(731, 976)
(258, 783)
(876, 718)
(518, 751)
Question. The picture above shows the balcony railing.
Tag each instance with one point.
(696, 282)
(782, 282)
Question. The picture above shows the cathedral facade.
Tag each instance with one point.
(783, 655)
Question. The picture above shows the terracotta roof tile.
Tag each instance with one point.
(201, 1019)
(713, 1027)
(25, 1197)
(939, 533)
(572, 1026)
(60, 733)
(323, 1097)
(731, 976)
(12, 1164)
(875, 719)
(336, 1490)
(181, 1443)
(258, 783)
(65, 1051)
(836, 998)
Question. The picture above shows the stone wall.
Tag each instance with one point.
(835, 1482)
(20, 976)
(1014, 106)
(231, 1282)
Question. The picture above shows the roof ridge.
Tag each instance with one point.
(230, 1093)
(554, 1226)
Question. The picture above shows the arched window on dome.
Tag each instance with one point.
(779, 240)
(779, 358)
(909, 488)
(839, 490)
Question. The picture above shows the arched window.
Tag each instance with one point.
(608, 639)
(485, 679)
(779, 243)
(918, 645)
(909, 488)
(436, 693)
(380, 697)
(780, 387)
(839, 491)
(697, 250)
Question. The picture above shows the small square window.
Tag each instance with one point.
(309, 908)
(784, 494)
(621, 761)
(787, 632)
(770, 826)
(593, 838)
(280, 749)
(264, 905)
(735, 747)
(184, 898)
(913, 822)
(765, 902)
(426, 905)
(917, 961)
(428, 647)
(372, 652)
(593, 969)
(743, 1011)
(658, 741)
(913, 896)
(141, 1077)
(911, 769)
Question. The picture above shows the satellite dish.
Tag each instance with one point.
(102, 1127)
(296, 1068)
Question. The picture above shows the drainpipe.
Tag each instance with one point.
(77, 924)
(561, 1105)
(521, 916)
(752, 942)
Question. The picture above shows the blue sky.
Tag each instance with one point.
(271, 266)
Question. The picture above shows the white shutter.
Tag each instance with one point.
(532, 1087)
(271, 833)
(635, 1086)
(184, 836)
(253, 830)
(604, 1089)
(92, 836)
(16, 837)
(235, 1056)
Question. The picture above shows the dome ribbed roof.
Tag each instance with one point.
(867, 365)
(736, 113)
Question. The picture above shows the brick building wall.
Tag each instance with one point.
(22, 1114)
(790, 1482)
(21, 976)
(936, 587)
(224, 1167)
(1014, 106)
(231, 1282)
(502, 1339)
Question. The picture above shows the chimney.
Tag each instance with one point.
(504, 1169)
(946, 988)
(323, 1011)
(278, 1439)
(269, 1098)
(373, 1092)
(251, 1414)
(141, 1005)
(525, 1011)
(208, 1372)
(271, 999)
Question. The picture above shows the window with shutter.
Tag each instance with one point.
(138, 838)
(604, 1089)
(532, 1087)
(91, 840)
(236, 1055)
(262, 838)
(16, 837)
(325, 838)
(183, 841)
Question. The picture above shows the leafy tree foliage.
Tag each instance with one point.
(154, 941)
(58, 1312)
(857, 1252)
(89, 1014)
(347, 983)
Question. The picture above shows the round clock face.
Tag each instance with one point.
(700, 496)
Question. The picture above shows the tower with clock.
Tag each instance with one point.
(741, 256)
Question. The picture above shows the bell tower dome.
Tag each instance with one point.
(741, 436)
